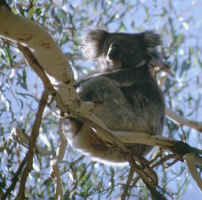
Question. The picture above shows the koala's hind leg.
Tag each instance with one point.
(85, 140)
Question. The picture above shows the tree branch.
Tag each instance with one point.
(193, 162)
(15, 179)
(56, 173)
(32, 145)
(129, 180)
(182, 121)
(48, 55)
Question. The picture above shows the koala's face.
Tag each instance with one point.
(119, 50)
(122, 50)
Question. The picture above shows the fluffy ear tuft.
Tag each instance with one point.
(151, 39)
(93, 43)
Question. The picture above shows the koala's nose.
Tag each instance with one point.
(113, 51)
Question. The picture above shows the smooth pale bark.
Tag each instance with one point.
(49, 56)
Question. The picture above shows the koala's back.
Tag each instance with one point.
(126, 101)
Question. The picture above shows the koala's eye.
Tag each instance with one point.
(113, 51)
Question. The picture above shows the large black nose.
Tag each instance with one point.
(113, 51)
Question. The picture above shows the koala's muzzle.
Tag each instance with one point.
(113, 52)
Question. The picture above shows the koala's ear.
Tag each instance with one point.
(93, 43)
(151, 39)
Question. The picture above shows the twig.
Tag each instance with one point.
(127, 185)
(164, 159)
(14, 179)
(182, 121)
(56, 173)
(153, 163)
(32, 145)
(151, 185)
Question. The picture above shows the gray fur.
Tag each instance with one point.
(125, 91)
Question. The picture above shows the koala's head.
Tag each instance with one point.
(120, 50)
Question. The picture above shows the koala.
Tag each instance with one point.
(125, 92)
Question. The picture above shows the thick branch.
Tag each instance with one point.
(48, 55)
(27, 33)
